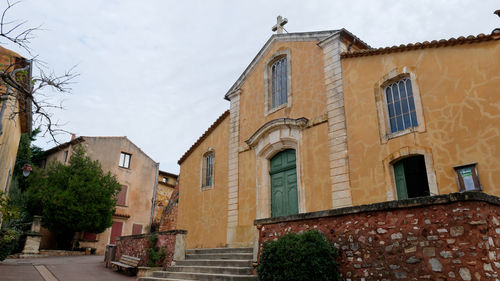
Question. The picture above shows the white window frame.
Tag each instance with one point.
(123, 163)
(268, 94)
(383, 110)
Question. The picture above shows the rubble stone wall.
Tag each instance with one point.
(446, 237)
(137, 246)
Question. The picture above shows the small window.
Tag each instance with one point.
(125, 160)
(208, 170)
(165, 180)
(65, 156)
(279, 81)
(468, 178)
(401, 105)
(121, 198)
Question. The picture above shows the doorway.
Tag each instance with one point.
(283, 173)
(410, 175)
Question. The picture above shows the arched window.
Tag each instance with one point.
(279, 82)
(401, 105)
(207, 177)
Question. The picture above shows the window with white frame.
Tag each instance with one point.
(279, 82)
(125, 160)
(208, 170)
(401, 105)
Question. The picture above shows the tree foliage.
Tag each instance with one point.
(8, 236)
(306, 256)
(74, 198)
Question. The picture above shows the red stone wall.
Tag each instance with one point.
(440, 239)
(169, 216)
(137, 245)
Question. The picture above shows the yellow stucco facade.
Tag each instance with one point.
(15, 118)
(458, 87)
(202, 210)
(334, 122)
(252, 133)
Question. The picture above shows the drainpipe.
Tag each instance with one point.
(154, 196)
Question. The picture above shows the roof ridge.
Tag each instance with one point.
(204, 136)
(423, 45)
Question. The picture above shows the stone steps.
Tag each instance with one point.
(231, 264)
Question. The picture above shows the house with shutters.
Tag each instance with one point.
(321, 121)
(134, 170)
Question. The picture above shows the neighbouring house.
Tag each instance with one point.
(15, 113)
(134, 170)
(320, 126)
(166, 185)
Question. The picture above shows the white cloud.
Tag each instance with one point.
(157, 71)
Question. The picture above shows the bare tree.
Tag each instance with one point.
(25, 81)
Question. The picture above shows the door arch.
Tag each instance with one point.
(410, 176)
(283, 177)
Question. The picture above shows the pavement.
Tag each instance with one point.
(70, 268)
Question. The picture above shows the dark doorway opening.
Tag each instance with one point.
(411, 177)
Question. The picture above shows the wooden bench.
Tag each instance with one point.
(128, 263)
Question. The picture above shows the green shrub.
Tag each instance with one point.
(306, 256)
(8, 241)
(155, 254)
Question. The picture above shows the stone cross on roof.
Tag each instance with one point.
(279, 25)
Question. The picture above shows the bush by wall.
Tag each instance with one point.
(305, 256)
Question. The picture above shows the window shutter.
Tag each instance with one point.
(121, 198)
(136, 229)
(89, 236)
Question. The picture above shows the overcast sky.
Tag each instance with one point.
(156, 71)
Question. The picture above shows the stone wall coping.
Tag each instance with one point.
(387, 206)
(138, 236)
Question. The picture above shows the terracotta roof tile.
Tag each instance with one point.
(204, 136)
(423, 45)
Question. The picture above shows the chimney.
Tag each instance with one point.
(73, 136)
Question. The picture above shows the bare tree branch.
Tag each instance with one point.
(20, 82)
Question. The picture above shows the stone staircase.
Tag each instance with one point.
(229, 264)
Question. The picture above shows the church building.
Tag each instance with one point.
(321, 121)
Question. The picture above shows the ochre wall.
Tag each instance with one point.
(9, 143)
(308, 88)
(308, 100)
(203, 213)
(459, 89)
(11, 126)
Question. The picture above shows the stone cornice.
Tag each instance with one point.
(389, 205)
(299, 122)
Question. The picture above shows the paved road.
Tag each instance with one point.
(75, 268)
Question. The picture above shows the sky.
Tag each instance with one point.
(156, 71)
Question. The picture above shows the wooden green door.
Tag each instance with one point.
(399, 177)
(284, 199)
